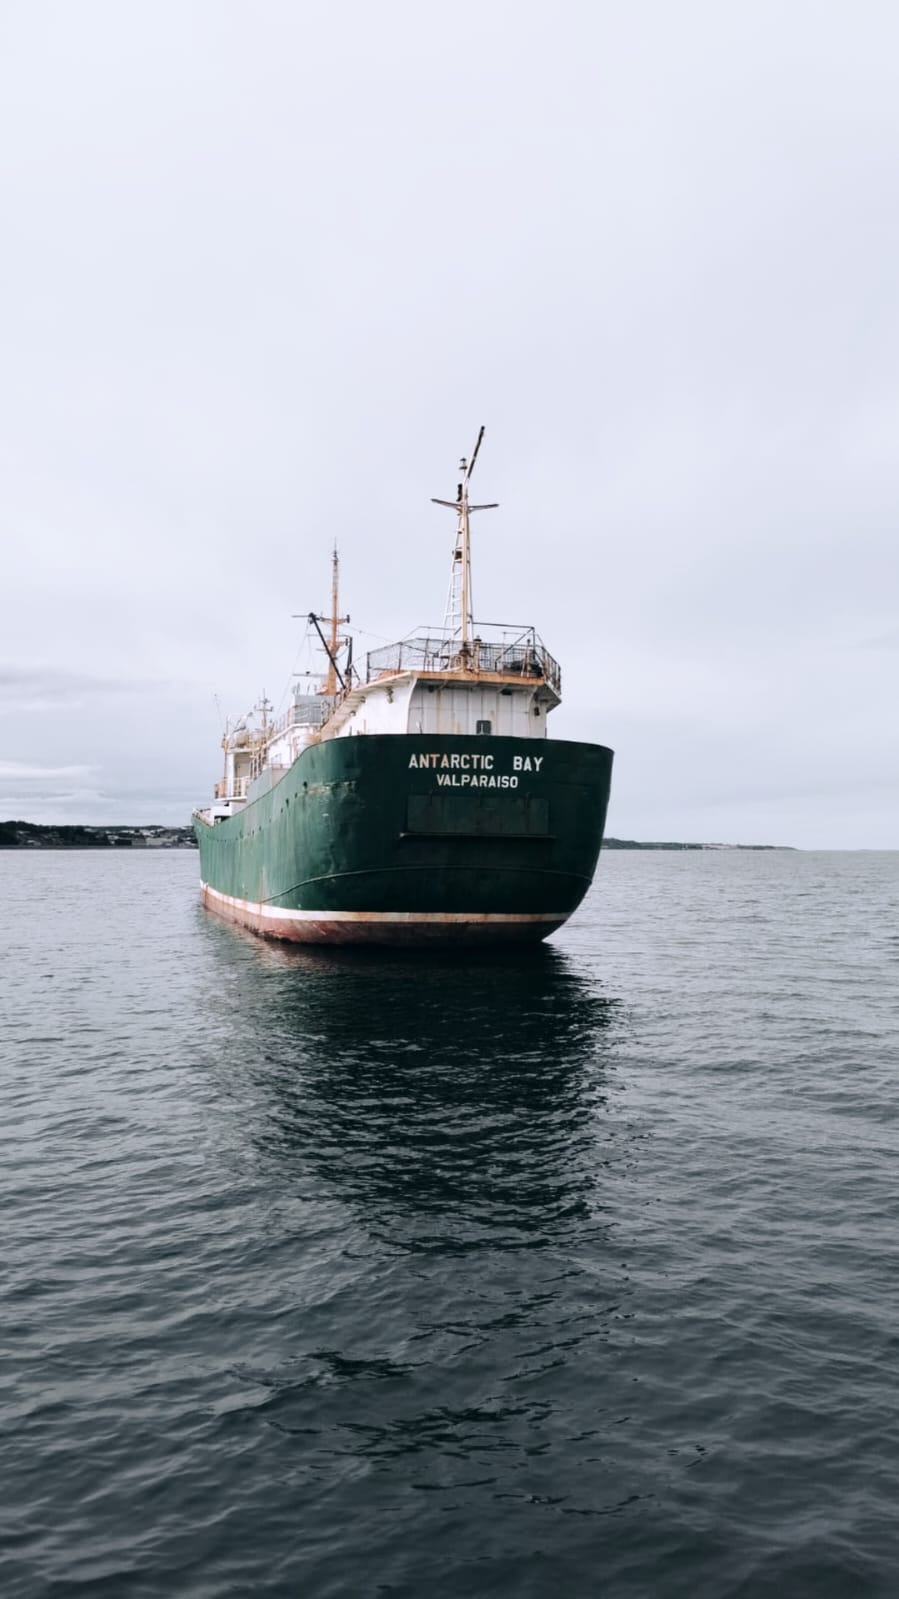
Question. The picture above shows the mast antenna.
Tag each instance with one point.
(331, 645)
(458, 621)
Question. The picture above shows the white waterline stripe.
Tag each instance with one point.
(275, 914)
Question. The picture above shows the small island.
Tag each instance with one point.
(37, 835)
(632, 843)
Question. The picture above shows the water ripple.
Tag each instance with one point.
(332, 1274)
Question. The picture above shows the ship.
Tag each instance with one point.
(415, 799)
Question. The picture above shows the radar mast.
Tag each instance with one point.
(458, 621)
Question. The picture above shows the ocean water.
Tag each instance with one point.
(348, 1274)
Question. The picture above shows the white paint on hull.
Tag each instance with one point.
(276, 913)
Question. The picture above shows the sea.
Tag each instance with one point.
(567, 1273)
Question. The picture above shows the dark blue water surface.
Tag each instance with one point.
(569, 1274)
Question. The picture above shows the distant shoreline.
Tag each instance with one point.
(632, 843)
(38, 835)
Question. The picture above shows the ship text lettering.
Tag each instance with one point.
(469, 762)
(464, 763)
(479, 780)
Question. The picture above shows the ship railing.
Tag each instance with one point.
(523, 656)
(237, 790)
(302, 715)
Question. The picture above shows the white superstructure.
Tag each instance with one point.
(459, 679)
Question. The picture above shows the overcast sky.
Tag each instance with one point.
(267, 267)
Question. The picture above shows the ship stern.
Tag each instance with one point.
(414, 840)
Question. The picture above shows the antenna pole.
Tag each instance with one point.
(459, 616)
(332, 644)
(467, 619)
(331, 679)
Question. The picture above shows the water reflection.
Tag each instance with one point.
(465, 1092)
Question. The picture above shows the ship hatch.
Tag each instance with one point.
(477, 816)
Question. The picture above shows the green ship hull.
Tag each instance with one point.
(406, 839)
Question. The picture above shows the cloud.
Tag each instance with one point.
(22, 772)
(37, 792)
(881, 641)
(48, 687)
(236, 325)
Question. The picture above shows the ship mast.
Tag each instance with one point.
(458, 621)
(331, 679)
(331, 644)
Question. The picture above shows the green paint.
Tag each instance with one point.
(354, 826)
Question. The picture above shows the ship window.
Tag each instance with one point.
(483, 727)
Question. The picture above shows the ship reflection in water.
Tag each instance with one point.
(450, 1100)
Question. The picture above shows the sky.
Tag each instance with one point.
(268, 267)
